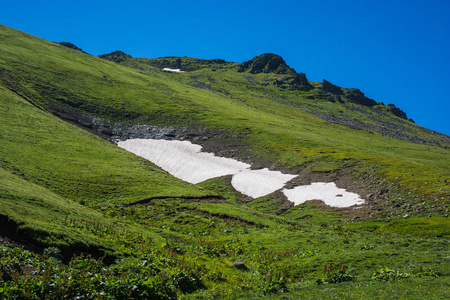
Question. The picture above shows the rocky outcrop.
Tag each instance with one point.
(331, 88)
(295, 82)
(397, 111)
(356, 96)
(266, 63)
(116, 56)
(272, 63)
(168, 63)
(71, 46)
(185, 64)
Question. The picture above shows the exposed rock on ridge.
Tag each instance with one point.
(331, 88)
(398, 112)
(278, 74)
(71, 46)
(171, 62)
(356, 96)
(116, 56)
(187, 64)
(272, 63)
(266, 63)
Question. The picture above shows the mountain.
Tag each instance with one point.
(67, 189)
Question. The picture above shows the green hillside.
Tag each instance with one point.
(137, 232)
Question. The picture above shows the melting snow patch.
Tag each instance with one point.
(173, 70)
(183, 159)
(328, 192)
(258, 183)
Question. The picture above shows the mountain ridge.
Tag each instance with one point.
(291, 80)
(266, 63)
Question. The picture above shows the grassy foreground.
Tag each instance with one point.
(80, 217)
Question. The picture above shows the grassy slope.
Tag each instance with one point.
(75, 164)
(48, 165)
(281, 132)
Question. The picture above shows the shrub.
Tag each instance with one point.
(274, 284)
(387, 274)
(335, 274)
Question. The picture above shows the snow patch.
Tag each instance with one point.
(183, 159)
(258, 183)
(328, 192)
(173, 70)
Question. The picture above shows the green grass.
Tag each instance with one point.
(64, 189)
(75, 164)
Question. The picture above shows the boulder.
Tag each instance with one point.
(240, 266)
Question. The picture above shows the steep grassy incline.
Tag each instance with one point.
(278, 128)
(52, 172)
(75, 164)
(66, 191)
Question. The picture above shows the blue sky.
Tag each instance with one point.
(394, 51)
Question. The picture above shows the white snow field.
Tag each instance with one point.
(258, 183)
(328, 192)
(185, 161)
(173, 70)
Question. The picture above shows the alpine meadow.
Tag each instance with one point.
(82, 218)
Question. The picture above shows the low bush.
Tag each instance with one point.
(335, 274)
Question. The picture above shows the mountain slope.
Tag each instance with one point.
(82, 88)
(62, 186)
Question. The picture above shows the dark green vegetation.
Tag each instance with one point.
(65, 191)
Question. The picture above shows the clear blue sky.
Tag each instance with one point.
(395, 51)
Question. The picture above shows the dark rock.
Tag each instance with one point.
(384, 191)
(187, 64)
(356, 96)
(397, 111)
(295, 82)
(266, 63)
(176, 64)
(116, 56)
(240, 266)
(331, 88)
(272, 63)
(331, 98)
(71, 46)
(218, 61)
(106, 130)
